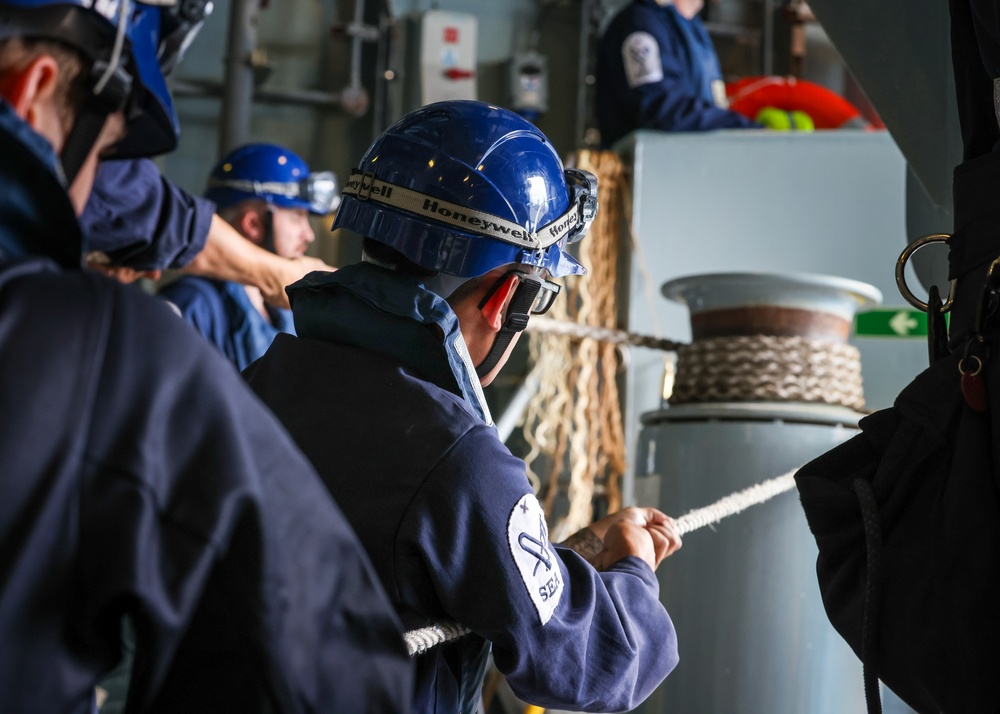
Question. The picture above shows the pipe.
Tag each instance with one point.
(515, 410)
(583, 87)
(356, 40)
(199, 88)
(238, 86)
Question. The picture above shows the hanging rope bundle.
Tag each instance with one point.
(768, 368)
(573, 423)
(420, 640)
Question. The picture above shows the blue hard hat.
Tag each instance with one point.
(463, 187)
(121, 39)
(271, 173)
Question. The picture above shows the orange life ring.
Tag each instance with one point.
(827, 109)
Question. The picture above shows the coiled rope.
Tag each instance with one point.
(743, 368)
(769, 368)
(420, 640)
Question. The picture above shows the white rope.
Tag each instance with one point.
(743, 367)
(601, 334)
(420, 640)
(735, 503)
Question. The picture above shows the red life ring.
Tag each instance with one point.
(827, 109)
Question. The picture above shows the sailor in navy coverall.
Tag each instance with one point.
(140, 478)
(137, 223)
(383, 391)
(267, 193)
(657, 69)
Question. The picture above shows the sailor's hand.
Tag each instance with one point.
(651, 543)
(122, 273)
(623, 539)
(666, 539)
(622, 535)
(640, 516)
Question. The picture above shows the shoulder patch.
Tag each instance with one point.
(641, 57)
(536, 560)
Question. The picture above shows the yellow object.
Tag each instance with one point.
(532, 709)
(782, 120)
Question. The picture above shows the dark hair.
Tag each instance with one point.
(379, 253)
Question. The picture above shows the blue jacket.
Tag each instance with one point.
(139, 219)
(391, 416)
(658, 70)
(222, 312)
(141, 479)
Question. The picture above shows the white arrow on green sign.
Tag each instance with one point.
(891, 322)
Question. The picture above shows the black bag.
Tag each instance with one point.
(907, 521)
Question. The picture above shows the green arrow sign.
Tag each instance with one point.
(891, 322)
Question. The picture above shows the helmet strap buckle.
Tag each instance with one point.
(367, 185)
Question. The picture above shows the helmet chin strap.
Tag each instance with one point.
(518, 313)
(90, 120)
(111, 87)
(268, 220)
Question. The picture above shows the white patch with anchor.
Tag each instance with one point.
(536, 560)
(641, 55)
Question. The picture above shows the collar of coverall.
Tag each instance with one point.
(331, 306)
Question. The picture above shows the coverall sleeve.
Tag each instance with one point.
(202, 520)
(563, 634)
(201, 306)
(141, 220)
(673, 103)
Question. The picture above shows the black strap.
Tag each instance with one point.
(518, 312)
(873, 593)
(80, 141)
(90, 120)
(268, 242)
(937, 329)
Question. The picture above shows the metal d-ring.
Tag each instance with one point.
(978, 369)
(901, 278)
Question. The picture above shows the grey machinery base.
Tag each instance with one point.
(752, 633)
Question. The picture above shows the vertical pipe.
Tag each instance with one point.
(379, 100)
(356, 40)
(582, 87)
(768, 55)
(518, 404)
(237, 97)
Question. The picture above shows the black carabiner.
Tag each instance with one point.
(937, 328)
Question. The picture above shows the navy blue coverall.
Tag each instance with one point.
(222, 312)
(392, 416)
(658, 70)
(141, 479)
(139, 219)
